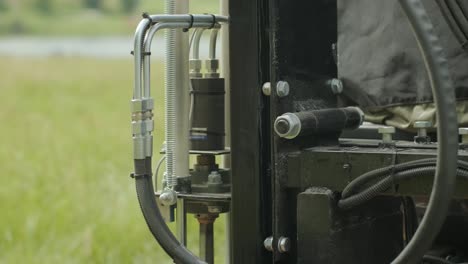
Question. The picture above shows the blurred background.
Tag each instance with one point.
(65, 86)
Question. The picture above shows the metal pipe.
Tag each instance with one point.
(226, 161)
(181, 222)
(225, 60)
(196, 20)
(213, 38)
(137, 47)
(196, 44)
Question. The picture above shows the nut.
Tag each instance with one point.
(215, 178)
(336, 86)
(212, 65)
(282, 89)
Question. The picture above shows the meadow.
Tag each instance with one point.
(65, 155)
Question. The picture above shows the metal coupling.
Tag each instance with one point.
(142, 127)
(195, 67)
(212, 66)
(422, 137)
(168, 197)
(287, 126)
(282, 89)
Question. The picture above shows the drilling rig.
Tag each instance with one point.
(327, 131)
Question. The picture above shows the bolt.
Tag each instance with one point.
(168, 197)
(336, 86)
(282, 89)
(386, 132)
(463, 132)
(266, 88)
(422, 127)
(287, 126)
(346, 166)
(284, 244)
(215, 178)
(268, 243)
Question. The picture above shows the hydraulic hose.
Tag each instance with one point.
(153, 217)
(213, 38)
(364, 179)
(386, 183)
(444, 99)
(454, 26)
(196, 43)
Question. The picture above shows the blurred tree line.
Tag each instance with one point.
(51, 6)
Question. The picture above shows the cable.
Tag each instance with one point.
(364, 179)
(444, 99)
(388, 182)
(435, 260)
(156, 173)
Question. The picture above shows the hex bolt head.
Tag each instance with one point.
(268, 243)
(282, 89)
(215, 178)
(463, 132)
(266, 88)
(386, 132)
(284, 244)
(336, 86)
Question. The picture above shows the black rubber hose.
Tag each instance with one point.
(381, 172)
(153, 217)
(459, 16)
(456, 30)
(355, 185)
(387, 183)
(444, 98)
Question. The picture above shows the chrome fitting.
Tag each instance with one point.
(195, 68)
(142, 105)
(287, 126)
(212, 66)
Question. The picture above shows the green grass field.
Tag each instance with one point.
(65, 157)
(68, 18)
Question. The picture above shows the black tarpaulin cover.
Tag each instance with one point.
(378, 57)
